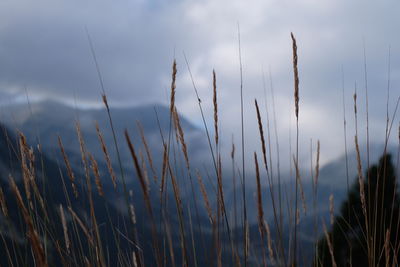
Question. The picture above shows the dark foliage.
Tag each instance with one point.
(349, 233)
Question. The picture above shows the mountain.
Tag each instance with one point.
(44, 121)
(334, 173)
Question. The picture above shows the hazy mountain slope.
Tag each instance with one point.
(43, 122)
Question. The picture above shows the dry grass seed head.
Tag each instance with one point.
(317, 165)
(331, 208)
(181, 137)
(68, 166)
(260, 128)
(82, 149)
(205, 197)
(96, 172)
(173, 87)
(139, 172)
(65, 229)
(106, 156)
(215, 103)
(269, 240)
(3, 203)
(144, 168)
(104, 98)
(361, 179)
(26, 176)
(28, 171)
(164, 168)
(133, 214)
(296, 75)
(27, 158)
(355, 103)
(32, 234)
(146, 146)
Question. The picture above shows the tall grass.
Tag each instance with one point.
(179, 235)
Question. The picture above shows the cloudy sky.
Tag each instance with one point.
(44, 51)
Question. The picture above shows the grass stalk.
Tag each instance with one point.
(296, 99)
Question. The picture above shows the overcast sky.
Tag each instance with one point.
(44, 48)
